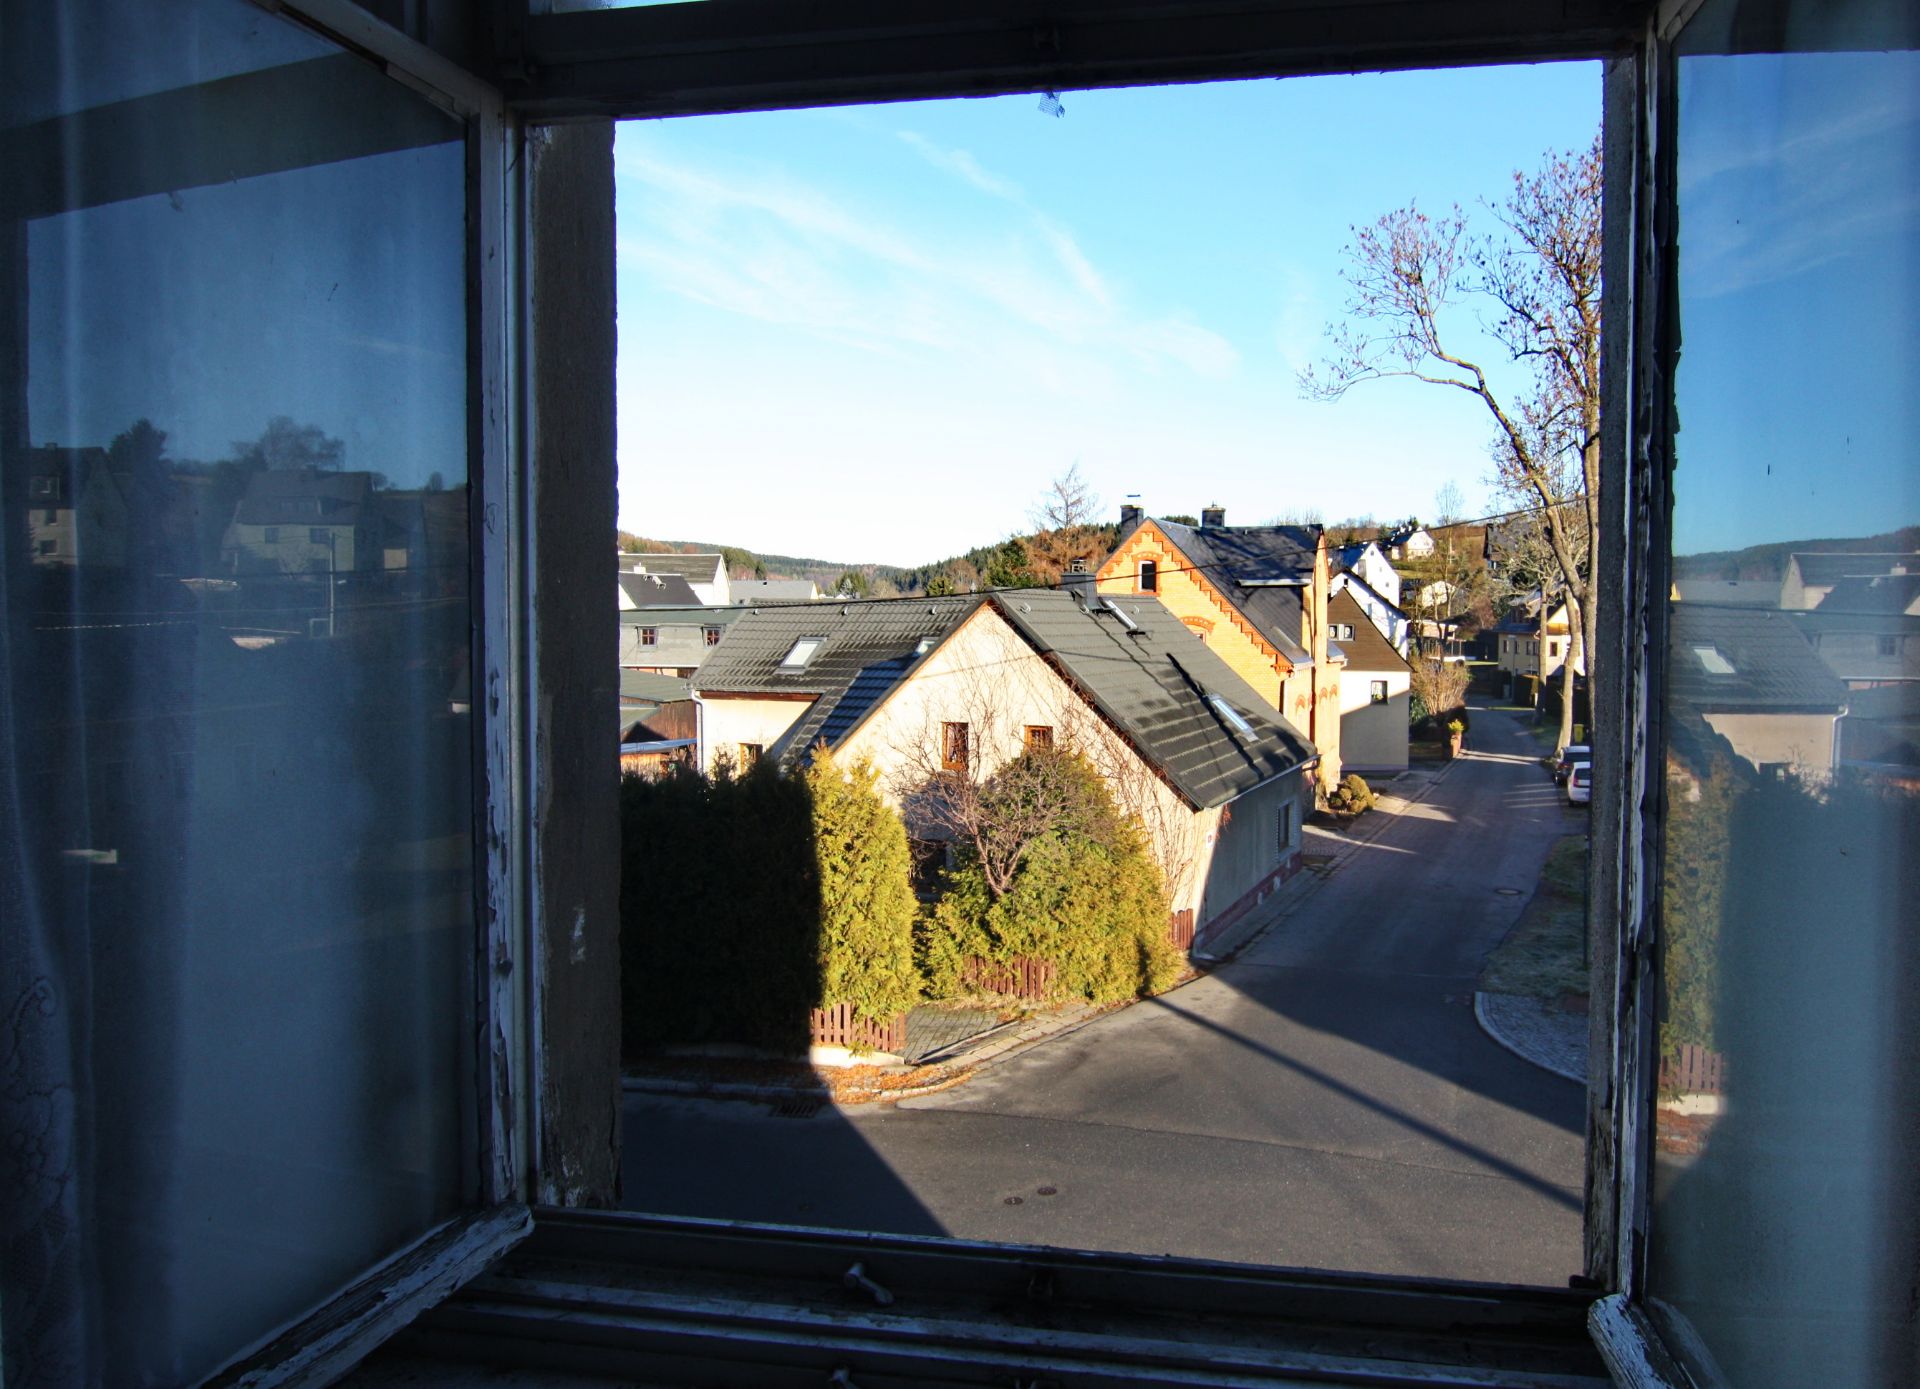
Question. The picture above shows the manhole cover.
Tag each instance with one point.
(797, 1107)
(1508, 891)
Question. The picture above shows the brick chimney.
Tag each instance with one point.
(1129, 516)
(1212, 517)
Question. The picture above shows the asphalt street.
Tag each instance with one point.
(1325, 1101)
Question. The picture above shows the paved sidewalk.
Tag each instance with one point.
(1536, 1030)
(1326, 851)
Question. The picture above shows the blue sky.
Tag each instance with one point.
(1800, 285)
(875, 333)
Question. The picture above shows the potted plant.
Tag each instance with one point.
(1456, 733)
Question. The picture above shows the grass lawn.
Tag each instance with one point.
(1541, 955)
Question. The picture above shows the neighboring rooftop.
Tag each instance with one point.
(1179, 704)
(656, 591)
(1261, 569)
(751, 591)
(1882, 594)
(693, 568)
(1732, 659)
(1829, 567)
(1366, 649)
(1729, 593)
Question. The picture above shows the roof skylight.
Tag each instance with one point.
(1235, 720)
(1712, 661)
(803, 651)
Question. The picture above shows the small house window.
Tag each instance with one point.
(50, 515)
(1039, 735)
(750, 754)
(1376, 692)
(1285, 838)
(649, 636)
(1149, 576)
(44, 487)
(1553, 648)
(712, 634)
(46, 547)
(272, 536)
(318, 535)
(1889, 646)
(953, 747)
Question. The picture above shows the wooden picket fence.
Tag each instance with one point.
(1180, 929)
(836, 1026)
(1693, 1071)
(1023, 977)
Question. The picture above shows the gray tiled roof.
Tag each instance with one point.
(693, 568)
(652, 687)
(658, 591)
(1261, 570)
(1152, 681)
(773, 590)
(1883, 593)
(865, 649)
(1730, 593)
(1826, 567)
(1773, 666)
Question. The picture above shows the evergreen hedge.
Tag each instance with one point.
(747, 901)
(719, 910)
(867, 906)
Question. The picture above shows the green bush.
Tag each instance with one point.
(867, 906)
(1351, 796)
(1086, 897)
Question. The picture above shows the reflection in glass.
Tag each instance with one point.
(1784, 1221)
(237, 822)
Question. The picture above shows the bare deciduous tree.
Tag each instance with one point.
(954, 782)
(1412, 275)
(1068, 501)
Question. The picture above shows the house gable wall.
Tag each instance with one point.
(1189, 596)
(986, 676)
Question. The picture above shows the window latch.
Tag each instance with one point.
(856, 1277)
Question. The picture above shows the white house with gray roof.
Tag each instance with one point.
(1216, 779)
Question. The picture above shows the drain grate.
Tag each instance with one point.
(796, 1107)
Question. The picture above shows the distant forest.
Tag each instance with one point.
(1020, 561)
(1769, 562)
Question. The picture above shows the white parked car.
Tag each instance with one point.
(1580, 783)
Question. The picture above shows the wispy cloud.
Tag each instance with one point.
(1014, 288)
(1766, 201)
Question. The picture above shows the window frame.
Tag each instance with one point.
(588, 65)
(956, 747)
(1146, 578)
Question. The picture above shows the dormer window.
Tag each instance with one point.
(803, 651)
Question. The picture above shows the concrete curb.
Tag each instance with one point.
(1011, 1039)
(1526, 1048)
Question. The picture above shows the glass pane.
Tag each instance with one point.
(235, 828)
(963, 320)
(1784, 1220)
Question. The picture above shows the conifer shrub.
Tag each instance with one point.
(720, 910)
(1086, 897)
(867, 906)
